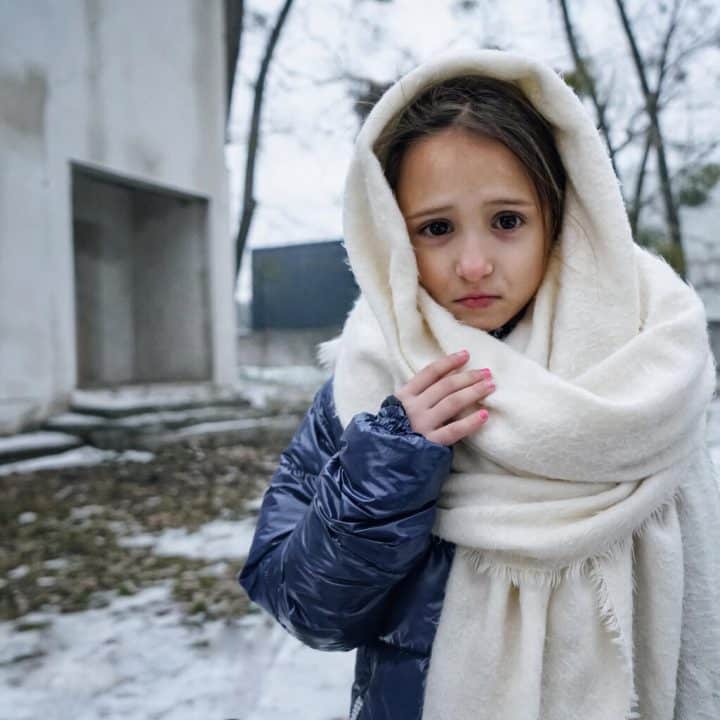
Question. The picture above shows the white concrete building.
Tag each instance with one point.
(115, 252)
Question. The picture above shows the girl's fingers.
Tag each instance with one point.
(451, 384)
(438, 394)
(431, 373)
(452, 405)
(456, 431)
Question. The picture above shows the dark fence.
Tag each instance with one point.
(301, 286)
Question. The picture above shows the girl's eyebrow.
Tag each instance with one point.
(509, 201)
(429, 211)
(499, 201)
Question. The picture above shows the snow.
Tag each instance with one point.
(240, 425)
(25, 442)
(172, 417)
(74, 420)
(134, 398)
(85, 512)
(132, 406)
(214, 540)
(319, 683)
(27, 517)
(147, 661)
(263, 386)
(293, 375)
(85, 455)
(18, 572)
(139, 420)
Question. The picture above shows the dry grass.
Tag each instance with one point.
(59, 530)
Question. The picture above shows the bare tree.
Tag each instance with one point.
(655, 135)
(253, 140)
(586, 82)
(691, 180)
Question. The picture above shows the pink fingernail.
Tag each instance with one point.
(461, 353)
(486, 372)
(483, 414)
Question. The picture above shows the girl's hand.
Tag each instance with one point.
(437, 395)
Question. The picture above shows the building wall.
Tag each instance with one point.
(133, 88)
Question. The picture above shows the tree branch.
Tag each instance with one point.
(588, 82)
(650, 97)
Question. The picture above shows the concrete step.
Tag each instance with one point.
(100, 430)
(150, 429)
(264, 405)
(35, 444)
(275, 430)
(127, 400)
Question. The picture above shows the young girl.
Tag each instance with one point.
(502, 498)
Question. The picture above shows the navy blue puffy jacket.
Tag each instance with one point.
(343, 556)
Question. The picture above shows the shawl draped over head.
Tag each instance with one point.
(565, 595)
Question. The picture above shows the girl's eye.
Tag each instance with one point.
(436, 227)
(509, 221)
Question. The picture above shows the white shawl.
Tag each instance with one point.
(565, 597)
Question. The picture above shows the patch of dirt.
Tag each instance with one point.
(59, 529)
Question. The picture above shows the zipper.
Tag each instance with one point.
(356, 707)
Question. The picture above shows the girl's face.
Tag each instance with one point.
(475, 223)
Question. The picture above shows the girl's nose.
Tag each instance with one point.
(473, 264)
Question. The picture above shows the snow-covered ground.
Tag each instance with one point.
(141, 657)
(85, 455)
(217, 539)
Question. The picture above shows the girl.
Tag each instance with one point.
(502, 498)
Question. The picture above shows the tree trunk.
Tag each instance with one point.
(636, 205)
(248, 204)
(234, 10)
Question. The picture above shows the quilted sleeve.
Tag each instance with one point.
(346, 517)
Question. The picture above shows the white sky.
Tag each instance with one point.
(308, 124)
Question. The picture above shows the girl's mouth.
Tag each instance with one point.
(478, 301)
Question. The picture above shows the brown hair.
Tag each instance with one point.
(491, 108)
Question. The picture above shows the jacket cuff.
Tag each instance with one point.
(392, 415)
(386, 468)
